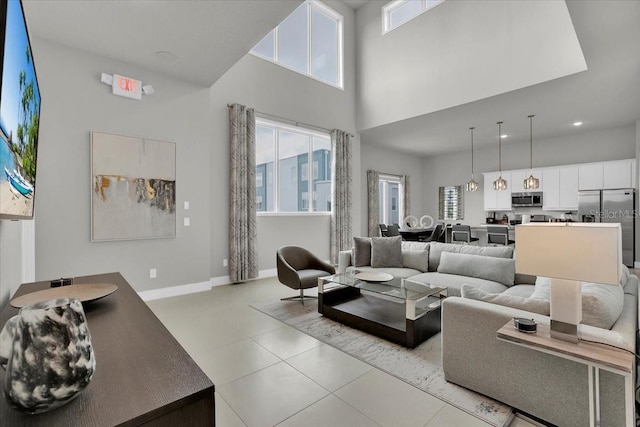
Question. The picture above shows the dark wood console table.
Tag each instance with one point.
(143, 375)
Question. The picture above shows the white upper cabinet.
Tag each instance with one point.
(560, 190)
(591, 176)
(495, 200)
(518, 177)
(619, 174)
(608, 175)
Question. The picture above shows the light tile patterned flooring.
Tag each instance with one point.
(267, 373)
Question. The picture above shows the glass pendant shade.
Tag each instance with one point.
(531, 183)
(472, 185)
(500, 183)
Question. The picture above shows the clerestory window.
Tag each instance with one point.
(400, 12)
(308, 41)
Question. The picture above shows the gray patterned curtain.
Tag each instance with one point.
(373, 202)
(406, 205)
(341, 183)
(243, 254)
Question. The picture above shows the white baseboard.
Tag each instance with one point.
(226, 280)
(174, 291)
(192, 288)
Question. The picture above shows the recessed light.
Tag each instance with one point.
(503, 136)
(577, 123)
(166, 56)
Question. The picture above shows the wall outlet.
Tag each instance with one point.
(225, 262)
(152, 273)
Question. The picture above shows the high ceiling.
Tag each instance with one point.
(208, 37)
(605, 96)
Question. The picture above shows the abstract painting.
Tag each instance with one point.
(133, 188)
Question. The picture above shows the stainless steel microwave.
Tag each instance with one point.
(532, 199)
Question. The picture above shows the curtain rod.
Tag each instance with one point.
(296, 123)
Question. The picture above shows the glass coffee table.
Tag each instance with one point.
(399, 310)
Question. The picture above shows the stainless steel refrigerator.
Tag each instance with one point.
(612, 206)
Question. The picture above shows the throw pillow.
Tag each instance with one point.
(418, 260)
(601, 304)
(386, 251)
(528, 304)
(361, 251)
(501, 270)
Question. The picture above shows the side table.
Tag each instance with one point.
(595, 356)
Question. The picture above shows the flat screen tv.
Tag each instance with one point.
(19, 115)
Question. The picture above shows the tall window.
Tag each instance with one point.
(389, 199)
(283, 168)
(451, 202)
(400, 12)
(308, 41)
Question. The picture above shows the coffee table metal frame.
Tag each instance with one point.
(399, 310)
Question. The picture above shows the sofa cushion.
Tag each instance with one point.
(386, 251)
(528, 304)
(453, 282)
(500, 270)
(415, 246)
(402, 273)
(361, 251)
(418, 260)
(436, 249)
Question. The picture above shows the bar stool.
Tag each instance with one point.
(462, 234)
(498, 236)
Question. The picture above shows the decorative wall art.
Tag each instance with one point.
(133, 188)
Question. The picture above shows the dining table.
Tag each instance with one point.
(414, 234)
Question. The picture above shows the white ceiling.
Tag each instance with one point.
(607, 95)
(208, 37)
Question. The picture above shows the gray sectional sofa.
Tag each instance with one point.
(482, 299)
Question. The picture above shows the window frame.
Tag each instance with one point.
(385, 179)
(390, 7)
(321, 7)
(276, 167)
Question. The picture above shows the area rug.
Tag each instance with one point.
(420, 367)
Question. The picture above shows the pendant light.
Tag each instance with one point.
(532, 182)
(500, 183)
(472, 185)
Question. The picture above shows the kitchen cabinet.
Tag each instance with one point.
(518, 177)
(495, 200)
(619, 174)
(590, 176)
(560, 188)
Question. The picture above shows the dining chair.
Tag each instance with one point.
(435, 234)
(393, 230)
(383, 230)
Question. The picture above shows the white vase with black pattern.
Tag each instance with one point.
(47, 353)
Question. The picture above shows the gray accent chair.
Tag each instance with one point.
(300, 269)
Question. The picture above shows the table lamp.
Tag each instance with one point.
(569, 253)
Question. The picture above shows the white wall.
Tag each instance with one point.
(395, 163)
(10, 259)
(75, 102)
(275, 90)
(455, 168)
(448, 55)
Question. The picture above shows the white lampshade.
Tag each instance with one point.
(569, 253)
(586, 252)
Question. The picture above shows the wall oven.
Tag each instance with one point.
(531, 199)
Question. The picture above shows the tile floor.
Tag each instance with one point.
(269, 374)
